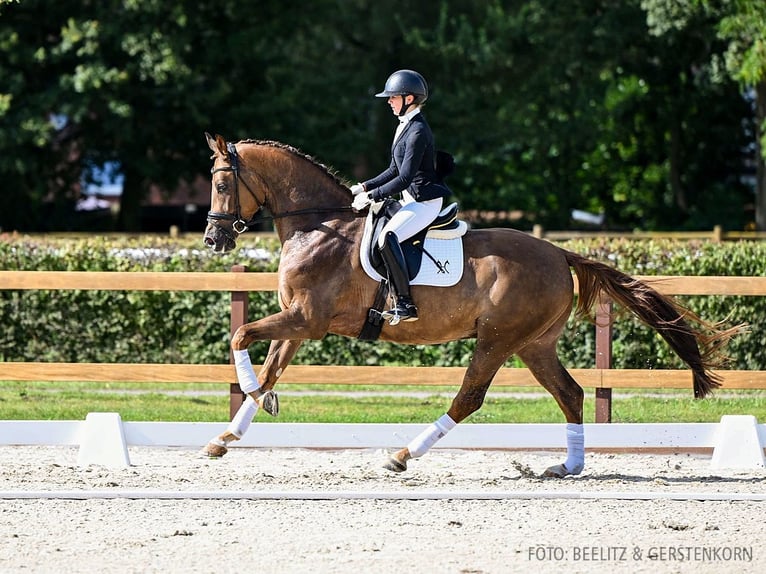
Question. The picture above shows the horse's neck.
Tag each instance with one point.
(295, 182)
(338, 228)
(323, 244)
(301, 195)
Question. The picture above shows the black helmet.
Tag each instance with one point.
(403, 83)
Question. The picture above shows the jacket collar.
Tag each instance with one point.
(408, 116)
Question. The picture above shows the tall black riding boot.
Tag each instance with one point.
(405, 309)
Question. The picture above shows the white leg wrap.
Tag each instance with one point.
(425, 440)
(245, 415)
(575, 461)
(246, 378)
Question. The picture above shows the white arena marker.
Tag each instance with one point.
(102, 441)
(737, 443)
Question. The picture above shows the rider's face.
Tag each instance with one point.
(396, 103)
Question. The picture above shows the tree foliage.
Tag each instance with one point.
(614, 107)
(740, 55)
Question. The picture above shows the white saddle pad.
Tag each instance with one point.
(445, 246)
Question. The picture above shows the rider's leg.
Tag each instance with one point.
(408, 221)
(404, 309)
(411, 218)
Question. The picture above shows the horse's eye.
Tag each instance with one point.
(221, 187)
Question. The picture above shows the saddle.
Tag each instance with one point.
(445, 226)
(439, 245)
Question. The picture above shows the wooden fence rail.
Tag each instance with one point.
(482, 219)
(239, 283)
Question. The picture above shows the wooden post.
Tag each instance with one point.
(537, 231)
(239, 301)
(717, 234)
(604, 357)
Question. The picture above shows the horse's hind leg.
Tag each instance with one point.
(541, 359)
(279, 356)
(485, 362)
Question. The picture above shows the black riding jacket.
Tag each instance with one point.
(413, 165)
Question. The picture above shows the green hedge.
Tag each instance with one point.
(121, 326)
(193, 327)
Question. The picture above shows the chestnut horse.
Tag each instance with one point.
(514, 297)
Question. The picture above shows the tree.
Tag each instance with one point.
(547, 106)
(134, 82)
(33, 152)
(744, 27)
(138, 82)
(576, 105)
(741, 24)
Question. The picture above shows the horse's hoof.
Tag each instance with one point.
(395, 465)
(269, 402)
(557, 471)
(212, 450)
(560, 471)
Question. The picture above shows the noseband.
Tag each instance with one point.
(238, 225)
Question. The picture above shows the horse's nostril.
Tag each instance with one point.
(209, 241)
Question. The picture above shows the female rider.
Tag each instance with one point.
(412, 173)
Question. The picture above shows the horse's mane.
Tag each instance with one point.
(331, 173)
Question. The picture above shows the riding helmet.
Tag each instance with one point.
(403, 83)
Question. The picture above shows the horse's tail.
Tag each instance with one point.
(698, 343)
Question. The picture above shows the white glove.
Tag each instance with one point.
(362, 201)
(356, 189)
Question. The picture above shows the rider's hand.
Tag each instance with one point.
(362, 201)
(356, 189)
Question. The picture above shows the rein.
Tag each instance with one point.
(239, 225)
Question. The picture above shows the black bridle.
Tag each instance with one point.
(239, 225)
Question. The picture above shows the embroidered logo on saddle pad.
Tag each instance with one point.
(436, 261)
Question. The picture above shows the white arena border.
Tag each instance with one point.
(633, 436)
(311, 495)
(737, 441)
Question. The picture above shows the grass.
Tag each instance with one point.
(391, 404)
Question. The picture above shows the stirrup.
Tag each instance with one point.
(399, 313)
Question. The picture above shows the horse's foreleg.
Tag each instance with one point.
(218, 446)
(248, 382)
(259, 393)
(238, 426)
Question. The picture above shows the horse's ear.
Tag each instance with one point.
(211, 142)
(221, 144)
(217, 144)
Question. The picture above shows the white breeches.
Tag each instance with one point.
(411, 218)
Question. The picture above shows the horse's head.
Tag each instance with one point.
(233, 202)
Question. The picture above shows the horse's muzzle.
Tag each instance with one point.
(218, 240)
